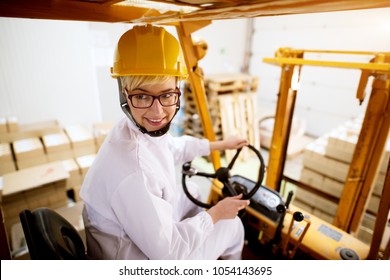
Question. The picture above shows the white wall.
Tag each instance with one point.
(47, 72)
(327, 95)
(226, 46)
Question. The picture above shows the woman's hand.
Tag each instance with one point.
(227, 208)
(232, 143)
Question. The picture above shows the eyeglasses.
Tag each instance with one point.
(143, 101)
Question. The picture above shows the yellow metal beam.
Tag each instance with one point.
(131, 12)
(366, 158)
(184, 31)
(381, 220)
(352, 65)
(282, 127)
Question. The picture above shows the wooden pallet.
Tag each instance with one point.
(238, 119)
(231, 99)
(231, 83)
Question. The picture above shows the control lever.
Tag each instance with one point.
(296, 217)
(281, 209)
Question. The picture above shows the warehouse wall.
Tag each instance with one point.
(326, 97)
(60, 70)
(46, 71)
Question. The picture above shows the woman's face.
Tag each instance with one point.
(156, 116)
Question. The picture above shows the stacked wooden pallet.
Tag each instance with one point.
(231, 101)
(326, 164)
(192, 122)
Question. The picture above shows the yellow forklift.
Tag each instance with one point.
(272, 220)
(267, 211)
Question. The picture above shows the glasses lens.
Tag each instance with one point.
(168, 99)
(143, 101)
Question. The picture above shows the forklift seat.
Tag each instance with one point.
(49, 236)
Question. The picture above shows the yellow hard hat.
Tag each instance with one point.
(148, 50)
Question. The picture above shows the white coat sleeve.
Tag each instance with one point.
(186, 148)
(148, 221)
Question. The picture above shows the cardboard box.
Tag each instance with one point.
(85, 163)
(28, 148)
(323, 215)
(29, 152)
(57, 146)
(31, 130)
(76, 193)
(81, 139)
(368, 221)
(100, 131)
(7, 163)
(315, 159)
(317, 202)
(23, 164)
(75, 178)
(56, 142)
(12, 124)
(373, 203)
(322, 182)
(3, 126)
(34, 187)
(365, 235)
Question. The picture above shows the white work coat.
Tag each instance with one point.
(134, 208)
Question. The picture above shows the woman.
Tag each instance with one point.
(133, 206)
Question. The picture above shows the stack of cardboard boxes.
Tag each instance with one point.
(326, 164)
(39, 186)
(43, 165)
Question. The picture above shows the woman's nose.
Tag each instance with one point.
(156, 106)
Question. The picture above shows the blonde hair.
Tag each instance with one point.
(132, 82)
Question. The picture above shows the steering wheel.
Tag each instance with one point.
(223, 175)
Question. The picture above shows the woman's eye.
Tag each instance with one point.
(166, 95)
(141, 97)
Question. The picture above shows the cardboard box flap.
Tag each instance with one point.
(56, 142)
(33, 177)
(27, 148)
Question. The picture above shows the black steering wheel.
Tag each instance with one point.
(223, 175)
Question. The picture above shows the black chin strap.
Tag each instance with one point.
(126, 110)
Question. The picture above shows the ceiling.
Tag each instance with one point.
(171, 11)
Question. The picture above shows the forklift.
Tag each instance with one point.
(270, 220)
(279, 224)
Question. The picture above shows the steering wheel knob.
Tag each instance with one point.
(186, 166)
(281, 208)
